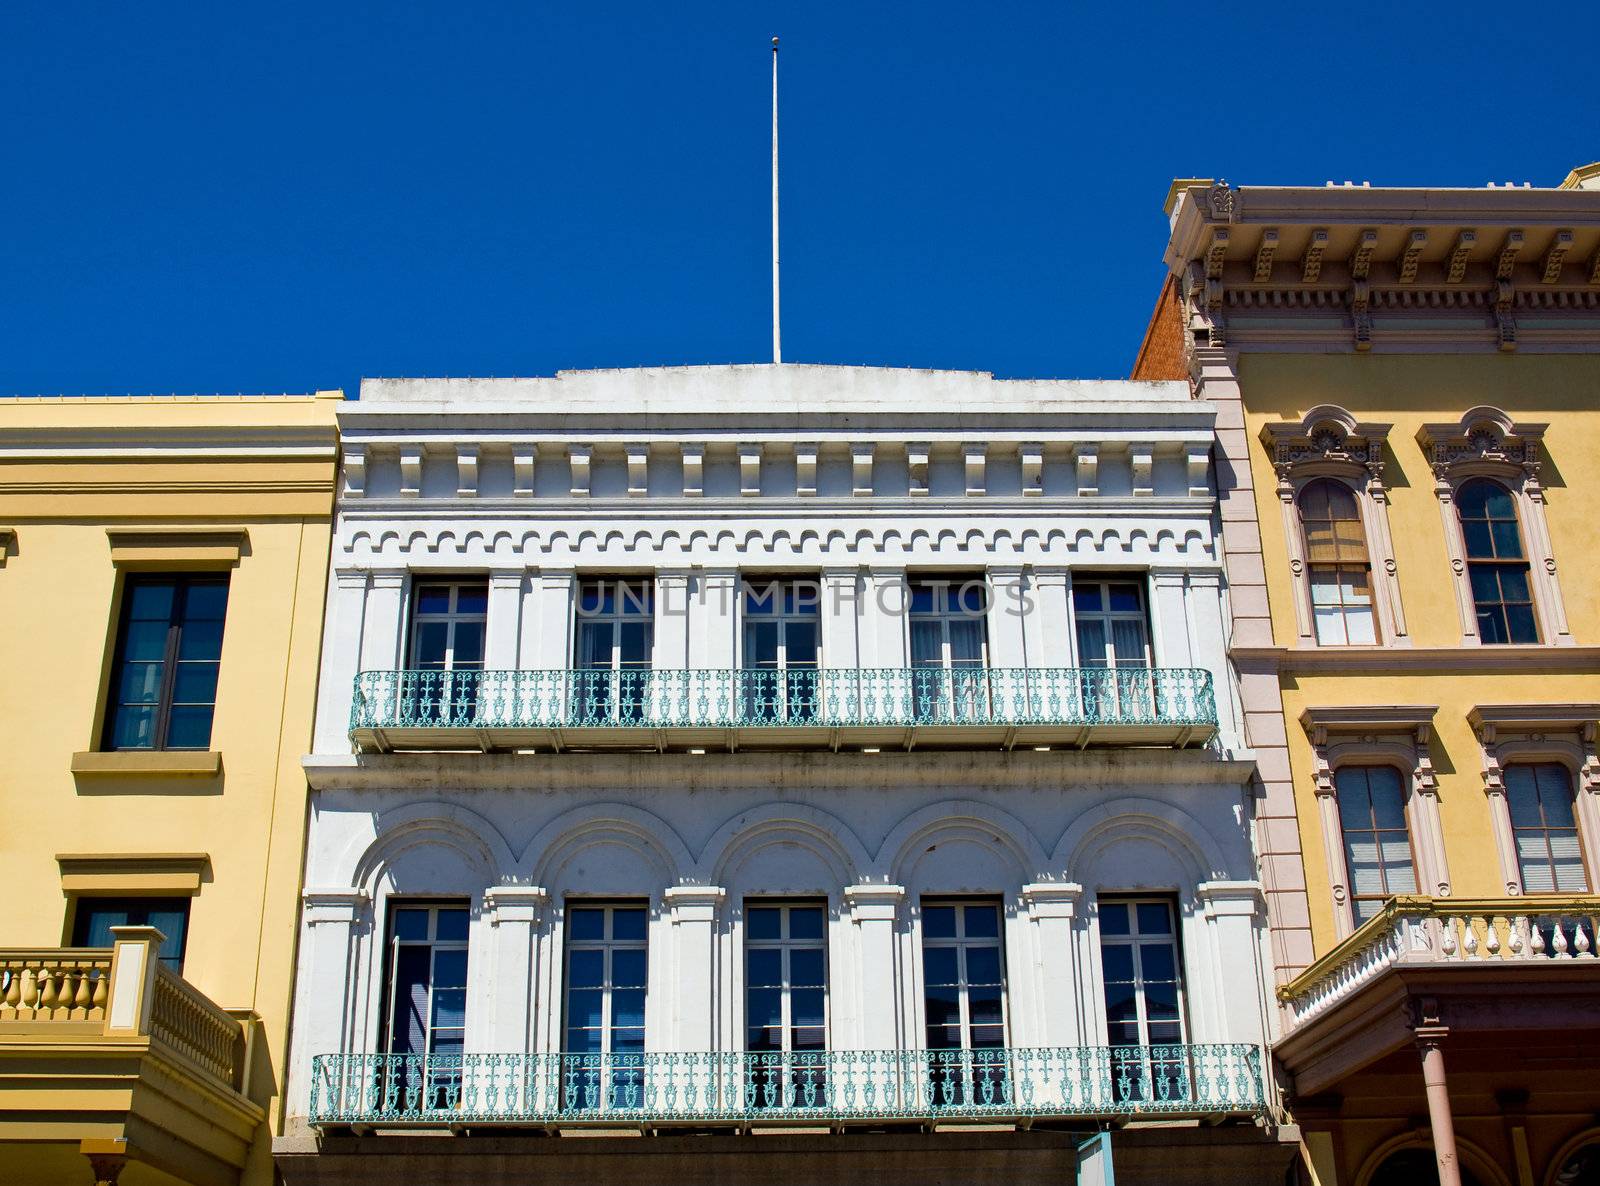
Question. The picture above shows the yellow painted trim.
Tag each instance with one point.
(127, 763)
(176, 548)
(156, 872)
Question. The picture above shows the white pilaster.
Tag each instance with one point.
(381, 641)
(874, 910)
(501, 651)
(842, 594)
(692, 910)
(1008, 599)
(1048, 625)
(713, 619)
(674, 589)
(341, 658)
(1230, 909)
(503, 995)
(327, 985)
(547, 619)
(883, 618)
(1170, 618)
(1052, 908)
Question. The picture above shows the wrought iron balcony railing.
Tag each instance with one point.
(1415, 930)
(835, 1085)
(1162, 704)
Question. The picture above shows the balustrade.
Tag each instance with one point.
(54, 985)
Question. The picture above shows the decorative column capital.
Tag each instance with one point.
(874, 903)
(388, 578)
(336, 905)
(1239, 898)
(350, 578)
(1052, 899)
(514, 903)
(693, 903)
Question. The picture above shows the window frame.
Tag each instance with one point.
(452, 618)
(1102, 581)
(962, 942)
(1401, 776)
(1313, 567)
(616, 618)
(391, 957)
(1497, 564)
(83, 904)
(608, 945)
(1544, 828)
(182, 583)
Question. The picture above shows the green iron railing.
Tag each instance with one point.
(828, 1085)
(650, 699)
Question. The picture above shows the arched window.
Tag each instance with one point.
(1549, 854)
(1580, 1169)
(1497, 564)
(1377, 845)
(1336, 559)
(1411, 1167)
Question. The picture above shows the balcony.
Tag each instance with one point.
(831, 709)
(557, 1091)
(111, 1054)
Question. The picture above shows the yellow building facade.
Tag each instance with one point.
(1410, 392)
(161, 588)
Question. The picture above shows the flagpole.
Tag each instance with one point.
(777, 341)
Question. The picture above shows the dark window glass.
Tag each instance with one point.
(426, 971)
(1142, 980)
(1549, 853)
(94, 917)
(1336, 564)
(1377, 846)
(1497, 566)
(164, 675)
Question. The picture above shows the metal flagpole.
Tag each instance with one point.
(777, 340)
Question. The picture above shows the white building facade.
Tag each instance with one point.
(814, 750)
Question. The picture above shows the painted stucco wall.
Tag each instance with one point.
(1407, 391)
(69, 470)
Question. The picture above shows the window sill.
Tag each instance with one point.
(151, 763)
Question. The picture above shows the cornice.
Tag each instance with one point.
(1540, 717)
(1442, 661)
(1368, 718)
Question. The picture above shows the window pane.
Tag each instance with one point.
(411, 924)
(806, 1007)
(200, 640)
(939, 922)
(983, 965)
(467, 650)
(206, 601)
(806, 967)
(1359, 627)
(1388, 802)
(452, 924)
(627, 1007)
(586, 969)
(1117, 963)
(433, 599)
(1479, 541)
(195, 683)
(472, 599)
(432, 639)
(586, 922)
(761, 644)
(982, 922)
(940, 965)
(764, 967)
(150, 600)
(584, 1007)
(629, 968)
(189, 726)
(1154, 919)
(141, 683)
(145, 640)
(628, 923)
(1113, 918)
(806, 922)
(1520, 627)
(1086, 599)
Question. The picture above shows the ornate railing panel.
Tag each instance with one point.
(184, 1019)
(864, 1085)
(649, 699)
(1414, 929)
(54, 984)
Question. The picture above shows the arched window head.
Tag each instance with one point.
(1338, 569)
(1497, 563)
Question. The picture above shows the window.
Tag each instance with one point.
(1113, 644)
(448, 622)
(169, 646)
(964, 1002)
(603, 1067)
(1497, 566)
(1336, 564)
(786, 988)
(94, 917)
(949, 647)
(615, 636)
(447, 625)
(1549, 855)
(1377, 847)
(781, 629)
(1144, 998)
(425, 998)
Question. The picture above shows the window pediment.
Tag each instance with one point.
(1484, 440)
(1327, 439)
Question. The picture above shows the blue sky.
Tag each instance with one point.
(239, 196)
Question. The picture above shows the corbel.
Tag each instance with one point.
(1197, 459)
(1361, 257)
(750, 467)
(1216, 252)
(1505, 321)
(974, 459)
(1509, 250)
(1410, 255)
(861, 455)
(638, 469)
(1265, 250)
(1556, 256)
(694, 469)
(1032, 455)
(917, 465)
(467, 471)
(355, 470)
(579, 456)
(805, 468)
(1456, 265)
(522, 457)
(411, 470)
(1311, 261)
(1142, 460)
(1361, 313)
(1087, 463)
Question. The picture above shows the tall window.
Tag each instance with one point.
(1144, 997)
(606, 984)
(448, 622)
(1497, 565)
(615, 635)
(1377, 847)
(949, 647)
(1340, 575)
(426, 999)
(786, 988)
(169, 647)
(964, 1002)
(94, 917)
(781, 629)
(1113, 644)
(1549, 854)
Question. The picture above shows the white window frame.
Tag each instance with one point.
(961, 942)
(434, 945)
(615, 618)
(786, 946)
(452, 618)
(1103, 582)
(1134, 939)
(1487, 443)
(609, 947)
